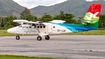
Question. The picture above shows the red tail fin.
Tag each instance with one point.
(95, 8)
(92, 15)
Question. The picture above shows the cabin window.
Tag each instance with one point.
(44, 26)
(53, 26)
(40, 26)
(37, 26)
(24, 23)
(58, 30)
(64, 30)
(29, 27)
(33, 25)
(20, 26)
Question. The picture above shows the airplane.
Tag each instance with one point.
(89, 22)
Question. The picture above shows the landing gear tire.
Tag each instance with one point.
(47, 37)
(17, 37)
(39, 38)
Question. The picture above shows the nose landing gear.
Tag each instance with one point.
(17, 37)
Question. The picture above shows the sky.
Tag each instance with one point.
(33, 3)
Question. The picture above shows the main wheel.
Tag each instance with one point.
(39, 38)
(17, 37)
(47, 37)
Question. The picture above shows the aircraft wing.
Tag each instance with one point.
(24, 21)
(57, 21)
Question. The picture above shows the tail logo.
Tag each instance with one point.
(90, 16)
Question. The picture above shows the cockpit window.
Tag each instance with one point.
(20, 25)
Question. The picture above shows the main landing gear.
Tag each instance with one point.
(17, 37)
(47, 37)
(39, 38)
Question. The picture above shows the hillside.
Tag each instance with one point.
(9, 7)
(76, 7)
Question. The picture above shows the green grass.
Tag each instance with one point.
(4, 33)
(23, 57)
(94, 32)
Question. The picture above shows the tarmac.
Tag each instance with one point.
(59, 46)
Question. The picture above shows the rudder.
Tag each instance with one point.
(92, 16)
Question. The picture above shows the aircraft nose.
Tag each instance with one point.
(10, 30)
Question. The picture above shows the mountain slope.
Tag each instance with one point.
(9, 7)
(76, 7)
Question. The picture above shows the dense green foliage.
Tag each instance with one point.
(46, 18)
(7, 22)
(67, 11)
(26, 14)
(102, 21)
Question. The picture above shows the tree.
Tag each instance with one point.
(57, 17)
(102, 21)
(69, 18)
(31, 18)
(26, 14)
(65, 16)
(0, 21)
(8, 21)
(79, 20)
(46, 17)
(62, 15)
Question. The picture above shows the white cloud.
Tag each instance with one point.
(89, 0)
(34, 3)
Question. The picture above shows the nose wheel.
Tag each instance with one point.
(17, 37)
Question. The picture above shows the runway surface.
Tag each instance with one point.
(73, 46)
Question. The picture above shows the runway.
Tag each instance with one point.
(73, 46)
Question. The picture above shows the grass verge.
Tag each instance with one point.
(23, 57)
(94, 32)
(4, 33)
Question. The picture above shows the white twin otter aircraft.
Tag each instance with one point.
(90, 22)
